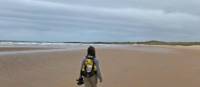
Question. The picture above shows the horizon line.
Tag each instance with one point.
(91, 41)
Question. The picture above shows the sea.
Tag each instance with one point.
(57, 46)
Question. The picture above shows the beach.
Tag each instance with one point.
(121, 66)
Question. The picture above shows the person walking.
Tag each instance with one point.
(90, 70)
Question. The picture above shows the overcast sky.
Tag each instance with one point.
(100, 20)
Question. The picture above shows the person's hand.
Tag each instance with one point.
(80, 81)
(100, 80)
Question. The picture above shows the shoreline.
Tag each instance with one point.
(31, 49)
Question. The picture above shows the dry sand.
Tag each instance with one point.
(124, 66)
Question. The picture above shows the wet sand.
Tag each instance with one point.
(7, 49)
(124, 66)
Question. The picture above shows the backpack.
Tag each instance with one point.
(89, 67)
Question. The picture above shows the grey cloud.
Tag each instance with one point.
(185, 6)
(126, 20)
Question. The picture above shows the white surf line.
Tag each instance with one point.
(57, 49)
(38, 51)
